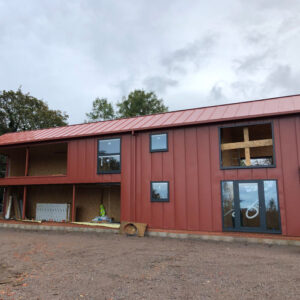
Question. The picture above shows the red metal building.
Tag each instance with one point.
(233, 167)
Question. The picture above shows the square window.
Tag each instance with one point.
(158, 142)
(109, 156)
(159, 191)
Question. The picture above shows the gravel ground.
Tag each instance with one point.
(55, 265)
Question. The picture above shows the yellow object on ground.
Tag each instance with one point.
(109, 225)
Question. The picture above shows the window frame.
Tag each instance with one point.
(261, 196)
(246, 125)
(163, 199)
(108, 154)
(162, 149)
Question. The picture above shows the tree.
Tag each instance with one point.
(102, 110)
(19, 111)
(140, 103)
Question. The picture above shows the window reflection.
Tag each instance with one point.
(271, 204)
(249, 204)
(159, 191)
(109, 146)
(228, 204)
(109, 163)
(159, 142)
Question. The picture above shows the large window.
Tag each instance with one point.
(109, 156)
(250, 206)
(159, 191)
(247, 146)
(158, 142)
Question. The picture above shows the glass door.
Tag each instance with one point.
(250, 206)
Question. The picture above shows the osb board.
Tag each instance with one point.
(88, 200)
(17, 194)
(17, 158)
(141, 228)
(48, 160)
(47, 194)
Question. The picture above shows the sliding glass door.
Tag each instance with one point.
(250, 206)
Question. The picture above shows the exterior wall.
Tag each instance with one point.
(192, 167)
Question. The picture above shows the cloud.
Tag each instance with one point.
(217, 95)
(283, 79)
(159, 83)
(194, 54)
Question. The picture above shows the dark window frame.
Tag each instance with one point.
(162, 199)
(162, 149)
(261, 196)
(107, 154)
(246, 125)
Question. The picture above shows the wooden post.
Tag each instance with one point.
(27, 161)
(73, 203)
(247, 149)
(24, 202)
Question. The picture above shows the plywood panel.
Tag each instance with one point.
(47, 194)
(48, 160)
(89, 198)
(17, 158)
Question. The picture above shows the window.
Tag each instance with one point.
(158, 142)
(109, 158)
(247, 146)
(159, 191)
(250, 206)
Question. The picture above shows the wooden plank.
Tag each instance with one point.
(246, 134)
(17, 208)
(238, 145)
(247, 156)
(247, 149)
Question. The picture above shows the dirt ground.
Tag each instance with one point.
(56, 265)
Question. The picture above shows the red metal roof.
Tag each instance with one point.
(211, 114)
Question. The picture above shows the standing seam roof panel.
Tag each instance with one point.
(234, 111)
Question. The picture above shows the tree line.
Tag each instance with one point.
(20, 111)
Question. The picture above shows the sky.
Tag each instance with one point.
(190, 53)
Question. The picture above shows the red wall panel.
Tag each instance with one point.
(192, 167)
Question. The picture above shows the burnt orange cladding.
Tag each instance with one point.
(191, 163)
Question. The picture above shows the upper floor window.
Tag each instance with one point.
(109, 156)
(247, 146)
(158, 142)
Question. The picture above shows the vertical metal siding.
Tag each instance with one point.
(192, 167)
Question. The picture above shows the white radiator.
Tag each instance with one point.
(52, 212)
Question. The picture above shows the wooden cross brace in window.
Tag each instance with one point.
(247, 144)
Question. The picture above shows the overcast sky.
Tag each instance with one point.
(191, 53)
